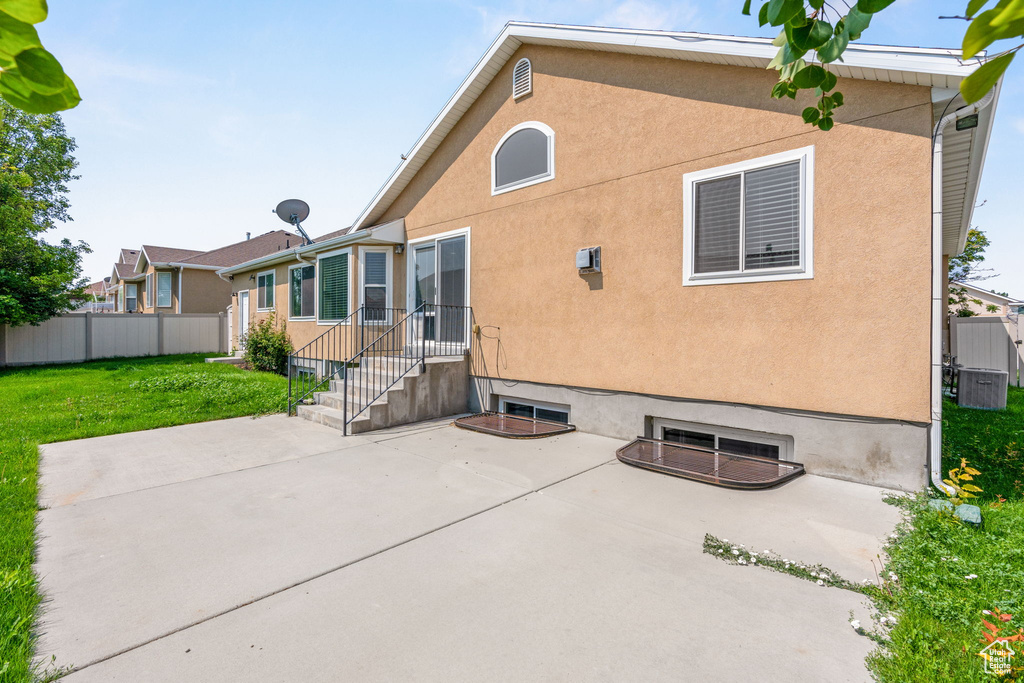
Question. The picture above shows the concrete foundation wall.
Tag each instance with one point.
(879, 452)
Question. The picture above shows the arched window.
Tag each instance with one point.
(524, 156)
(522, 79)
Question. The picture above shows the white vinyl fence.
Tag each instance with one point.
(77, 337)
(989, 342)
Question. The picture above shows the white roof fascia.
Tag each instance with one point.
(978, 154)
(392, 232)
(932, 67)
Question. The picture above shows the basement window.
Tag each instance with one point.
(539, 411)
(726, 439)
(751, 221)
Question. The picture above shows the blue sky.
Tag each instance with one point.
(198, 117)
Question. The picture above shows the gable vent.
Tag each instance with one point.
(522, 79)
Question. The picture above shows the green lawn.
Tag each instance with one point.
(939, 610)
(63, 402)
(991, 440)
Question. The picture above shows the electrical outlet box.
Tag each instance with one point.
(588, 260)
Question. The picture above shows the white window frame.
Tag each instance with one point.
(410, 265)
(170, 289)
(503, 400)
(316, 292)
(388, 265)
(273, 287)
(784, 442)
(550, 175)
(803, 271)
(316, 306)
(150, 302)
(127, 288)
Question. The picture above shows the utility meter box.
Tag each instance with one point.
(589, 260)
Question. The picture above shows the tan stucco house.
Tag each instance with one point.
(155, 279)
(983, 302)
(651, 245)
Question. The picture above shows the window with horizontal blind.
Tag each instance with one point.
(131, 298)
(302, 292)
(375, 284)
(751, 221)
(163, 290)
(334, 283)
(265, 291)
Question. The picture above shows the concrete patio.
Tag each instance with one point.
(275, 549)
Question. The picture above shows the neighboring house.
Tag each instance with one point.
(157, 279)
(744, 255)
(124, 282)
(983, 302)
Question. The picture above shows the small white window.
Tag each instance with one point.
(376, 294)
(522, 79)
(524, 156)
(265, 291)
(541, 411)
(302, 292)
(728, 440)
(131, 298)
(149, 290)
(751, 221)
(163, 290)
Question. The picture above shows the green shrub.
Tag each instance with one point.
(267, 347)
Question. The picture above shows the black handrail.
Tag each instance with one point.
(429, 330)
(312, 367)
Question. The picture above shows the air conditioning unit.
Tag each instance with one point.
(982, 388)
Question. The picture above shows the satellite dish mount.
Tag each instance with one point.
(294, 211)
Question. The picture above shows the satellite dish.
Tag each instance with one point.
(294, 211)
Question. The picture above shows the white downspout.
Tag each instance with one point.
(181, 274)
(939, 306)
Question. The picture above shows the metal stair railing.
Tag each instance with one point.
(311, 368)
(430, 330)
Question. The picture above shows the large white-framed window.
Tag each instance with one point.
(524, 156)
(131, 297)
(149, 290)
(265, 290)
(726, 439)
(375, 282)
(301, 292)
(333, 286)
(552, 412)
(751, 221)
(163, 290)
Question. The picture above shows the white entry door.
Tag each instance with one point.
(243, 317)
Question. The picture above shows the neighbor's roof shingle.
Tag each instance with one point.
(129, 256)
(168, 254)
(246, 250)
(330, 235)
(126, 271)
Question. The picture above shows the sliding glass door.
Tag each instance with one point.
(440, 293)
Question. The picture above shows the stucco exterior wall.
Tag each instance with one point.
(303, 331)
(202, 291)
(627, 128)
(147, 306)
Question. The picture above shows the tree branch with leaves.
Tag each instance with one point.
(31, 78)
(816, 33)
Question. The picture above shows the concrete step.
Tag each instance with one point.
(432, 389)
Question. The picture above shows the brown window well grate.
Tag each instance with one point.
(512, 426)
(708, 465)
